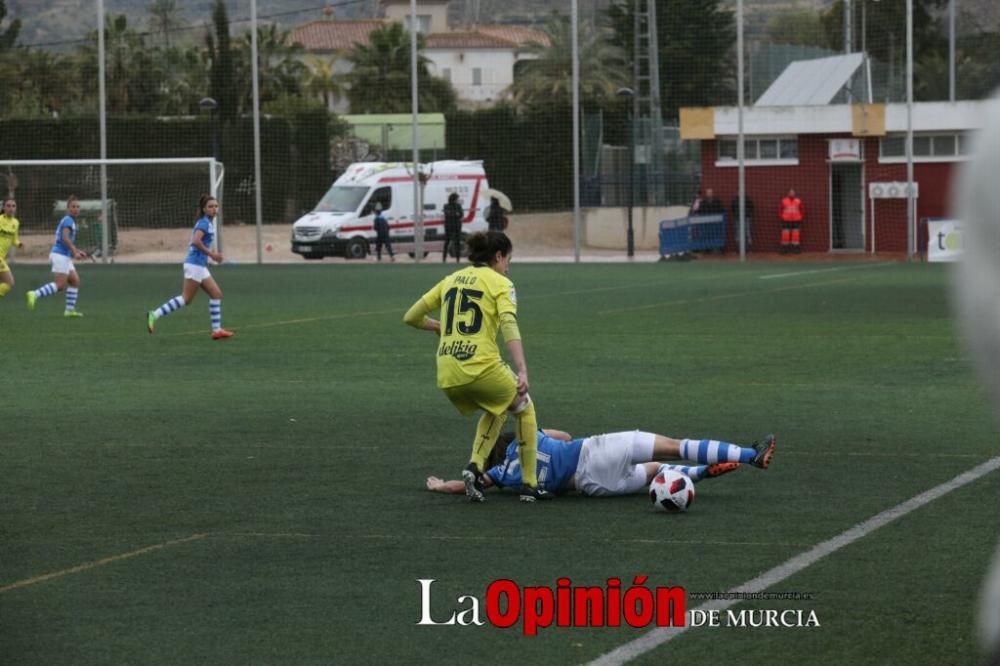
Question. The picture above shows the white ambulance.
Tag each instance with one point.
(341, 223)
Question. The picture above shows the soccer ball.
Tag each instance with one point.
(671, 491)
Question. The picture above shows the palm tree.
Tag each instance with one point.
(164, 19)
(322, 80)
(44, 75)
(380, 78)
(278, 63)
(132, 70)
(546, 79)
(187, 78)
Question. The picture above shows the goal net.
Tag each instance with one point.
(131, 209)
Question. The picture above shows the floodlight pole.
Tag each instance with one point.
(575, 27)
(258, 185)
(911, 246)
(103, 114)
(418, 203)
(628, 95)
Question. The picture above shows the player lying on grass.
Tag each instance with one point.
(619, 463)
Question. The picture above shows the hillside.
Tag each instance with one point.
(63, 23)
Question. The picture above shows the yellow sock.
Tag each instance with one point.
(527, 444)
(4, 288)
(487, 431)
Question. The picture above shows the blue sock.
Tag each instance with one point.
(46, 290)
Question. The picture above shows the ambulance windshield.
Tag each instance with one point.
(341, 199)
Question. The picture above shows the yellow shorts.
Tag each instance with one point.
(493, 392)
(4, 268)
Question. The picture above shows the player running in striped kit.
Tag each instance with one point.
(64, 251)
(196, 273)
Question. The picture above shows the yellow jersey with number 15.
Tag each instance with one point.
(471, 301)
(8, 234)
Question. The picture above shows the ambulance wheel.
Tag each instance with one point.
(356, 248)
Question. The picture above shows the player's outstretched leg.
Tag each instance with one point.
(764, 450)
(711, 451)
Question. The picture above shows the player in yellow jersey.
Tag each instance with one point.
(475, 303)
(9, 237)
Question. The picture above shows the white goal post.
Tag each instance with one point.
(142, 193)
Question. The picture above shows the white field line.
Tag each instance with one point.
(722, 297)
(99, 563)
(653, 639)
(774, 276)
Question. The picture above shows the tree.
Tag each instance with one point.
(223, 71)
(696, 40)
(164, 19)
(885, 28)
(799, 27)
(8, 60)
(8, 36)
(45, 79)
(279, 67)
(132, 71)
(186, 78)
(546, 79)
(380, 79)
(322, 80)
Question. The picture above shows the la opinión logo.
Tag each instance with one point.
(537, 607)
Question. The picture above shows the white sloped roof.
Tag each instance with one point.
(811, 82)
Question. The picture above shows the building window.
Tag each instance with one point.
(938, 147)
(423, 23)
(760, 150)
(477, 76)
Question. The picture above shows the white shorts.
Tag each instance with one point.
(61, 263)
(612, 464)
(195, 272)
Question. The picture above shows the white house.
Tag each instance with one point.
(478, 60)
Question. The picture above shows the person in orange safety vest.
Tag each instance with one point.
(791, 214)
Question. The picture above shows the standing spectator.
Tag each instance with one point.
(710, 204)
(453, 215)
(791, 214)
(495, 217)
(64, 251)
(748, 215)
(9, 237)
(695, 208)
(476, 303)
(196, 273)
(381, 226)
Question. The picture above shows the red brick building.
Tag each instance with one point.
(832, 156)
